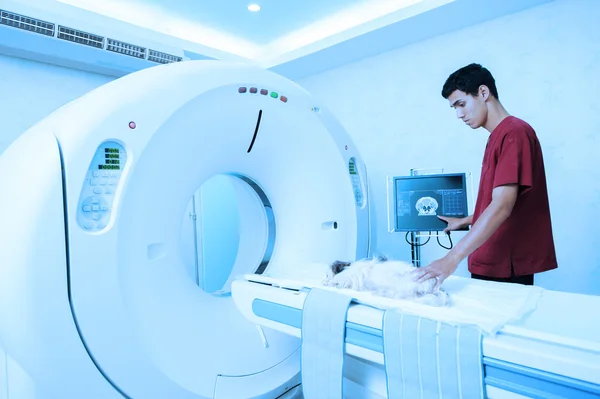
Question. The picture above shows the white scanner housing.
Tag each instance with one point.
(94, 299)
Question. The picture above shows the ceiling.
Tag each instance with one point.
(275, 19)
(297, 37)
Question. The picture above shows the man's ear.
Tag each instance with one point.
(484, 92)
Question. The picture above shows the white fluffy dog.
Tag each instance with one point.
(390, 279)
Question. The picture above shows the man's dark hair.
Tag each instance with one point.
(468, 79)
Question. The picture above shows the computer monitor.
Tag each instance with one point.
(418, 200)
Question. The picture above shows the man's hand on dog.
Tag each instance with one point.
(439, 269)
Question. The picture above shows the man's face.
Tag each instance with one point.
(471, 110)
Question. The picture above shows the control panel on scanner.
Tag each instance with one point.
(101, 182)
(356, 184)
(419, 200)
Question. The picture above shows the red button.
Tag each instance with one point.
(283, 98)
(253, 90)
(242, 90)
(264, 92)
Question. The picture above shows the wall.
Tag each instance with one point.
(30, 90)
(546, 61)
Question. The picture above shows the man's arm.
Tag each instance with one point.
(468, 221)
(503, 201)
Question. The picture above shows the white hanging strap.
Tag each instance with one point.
(429, 359)
(323, 343)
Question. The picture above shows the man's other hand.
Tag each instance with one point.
(453, 223)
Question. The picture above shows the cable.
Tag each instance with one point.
(440, 244)
(415, 244)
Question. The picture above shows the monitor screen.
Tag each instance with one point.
(419, 200)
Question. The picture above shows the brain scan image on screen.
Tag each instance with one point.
(427, 206)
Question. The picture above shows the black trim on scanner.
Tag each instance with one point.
(255, 130)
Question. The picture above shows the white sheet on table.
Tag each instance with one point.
(488, 305)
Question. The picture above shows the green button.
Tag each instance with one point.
(274, 95)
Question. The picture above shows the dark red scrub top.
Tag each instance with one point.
(523, 242)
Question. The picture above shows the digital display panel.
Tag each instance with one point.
(112, 159)
(352, 167)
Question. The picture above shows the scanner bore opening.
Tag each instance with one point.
(215, 239)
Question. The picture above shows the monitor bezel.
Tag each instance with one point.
(463, 177)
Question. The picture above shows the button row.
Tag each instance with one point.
(103, 182)
(99, 190)
(264, 92)
(95, 208)
(105, 174)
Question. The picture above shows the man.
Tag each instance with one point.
(511, 235)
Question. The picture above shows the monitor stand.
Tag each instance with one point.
(415, 237)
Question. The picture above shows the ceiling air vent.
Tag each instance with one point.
(26, 23)
(125, 48)
(77, 36)
(162, 58)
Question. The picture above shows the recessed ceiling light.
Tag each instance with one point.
(254, 7)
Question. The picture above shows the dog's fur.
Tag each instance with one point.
(390, 279)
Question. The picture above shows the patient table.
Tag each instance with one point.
(546, 346)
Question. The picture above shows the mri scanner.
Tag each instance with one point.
(94, 298)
